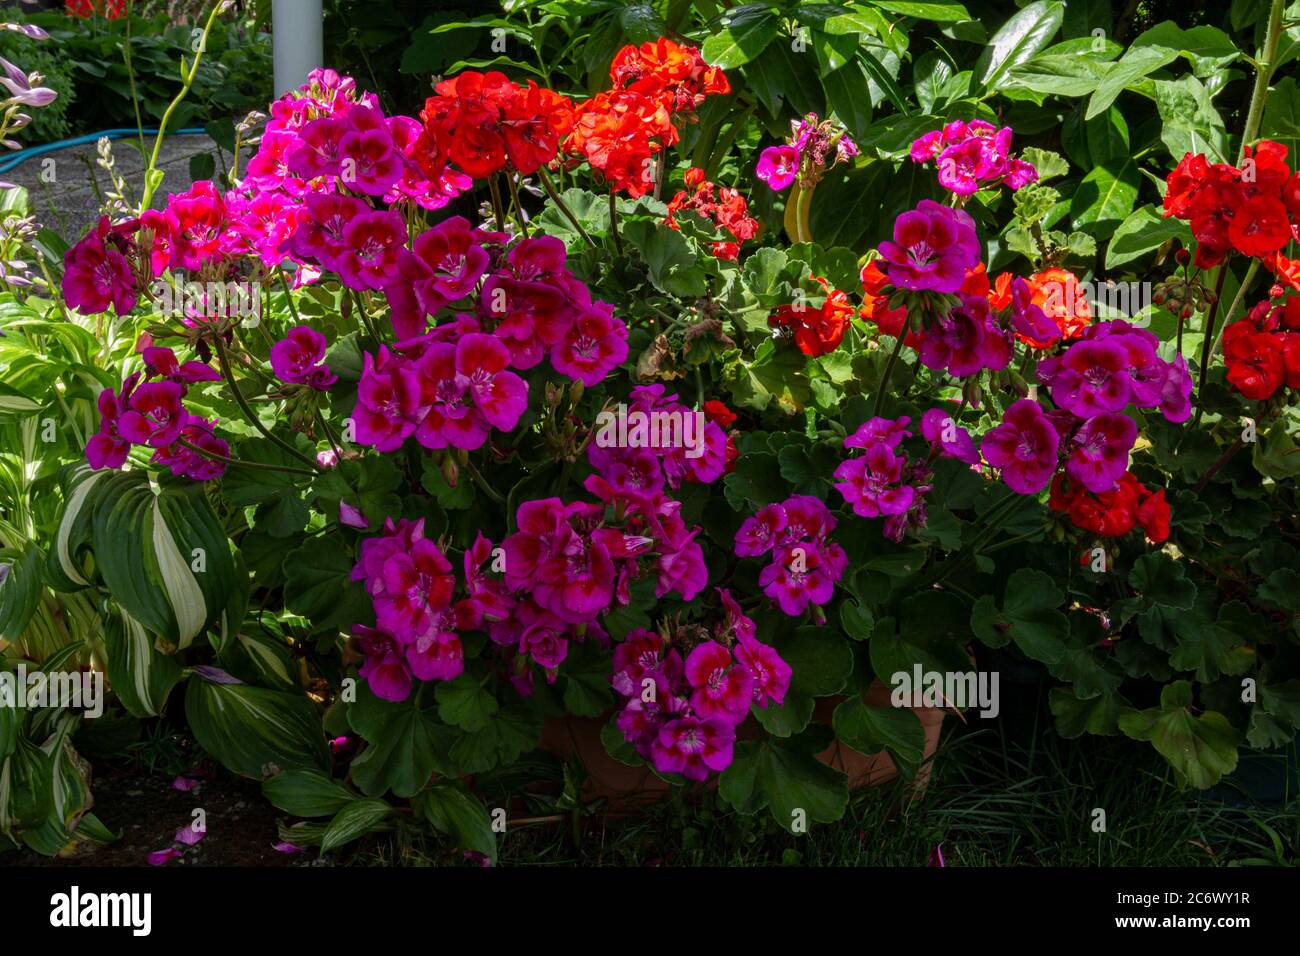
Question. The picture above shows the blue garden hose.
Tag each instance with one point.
(15, 159)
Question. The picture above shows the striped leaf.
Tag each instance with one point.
(26, 787)
(70, 785)
(353, 821)
(68, 567)
(21, 581)
(138, 672)
(254, 731)
(306, 793)
(163, 555)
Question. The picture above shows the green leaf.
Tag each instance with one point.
(1027, 32)
(354, 821)
(253, 731)
(1074, 717)
(139, 674)
(1106, 194)
(641, 23)
(1145, 230)
(453, 810)
(405, 741)
(869, 730)
(307, 793)
(68, 568)
(1030, 616)
(819, 657)
(746, 32)
(1058, 74)
(1163, 581)
(1134, 65)
(1201, 749)
(939, 12)
(787, 779)
(164, 556)
(1189, 121)
(464, 703)
(319, 586)
(22, 578)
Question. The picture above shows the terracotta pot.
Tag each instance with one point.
(626, 787)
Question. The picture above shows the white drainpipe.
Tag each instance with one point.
(297, 38)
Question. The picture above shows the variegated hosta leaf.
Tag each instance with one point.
(163, 555)
(70, 785)
(254, 731)
(26, 787)
(140, 674)
(68, 567)
(21, 580)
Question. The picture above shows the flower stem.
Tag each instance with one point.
(613, 224)
(889, 371)
(288, 297)
(223, 359)
(498, 207)
(1214, 469)
(241, 463)
(152, 175)
(518, 206)
(1263, 75)
(483, 486)
(559, 204)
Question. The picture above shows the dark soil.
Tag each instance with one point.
(145, 812)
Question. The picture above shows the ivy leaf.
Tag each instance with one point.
(406, 743)
(1030, 616)
(1163, 581)
(1201, 749)
(869, 730)
(465, 703)
(785, 777)
(1074, 717)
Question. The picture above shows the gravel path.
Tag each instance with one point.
(70, 203)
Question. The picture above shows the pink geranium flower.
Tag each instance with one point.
(1024, 446)
(720, 689)
(932, 248)
(778, 166)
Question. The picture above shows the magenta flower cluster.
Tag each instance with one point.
(805, 564)
(1111, 366)
(299, 359)
(152, 414)
(681, 715)
(818, 144)
(411, 585)
(972, 155)
(885, 482)
(638, 475)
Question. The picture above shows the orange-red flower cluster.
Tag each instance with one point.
(724, 207)
(1113, 514)
(1262, 350)
(619, 131)
(816, 330)
(1247, 208)
(677, 75)
(483, 122)
(1058, 293)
